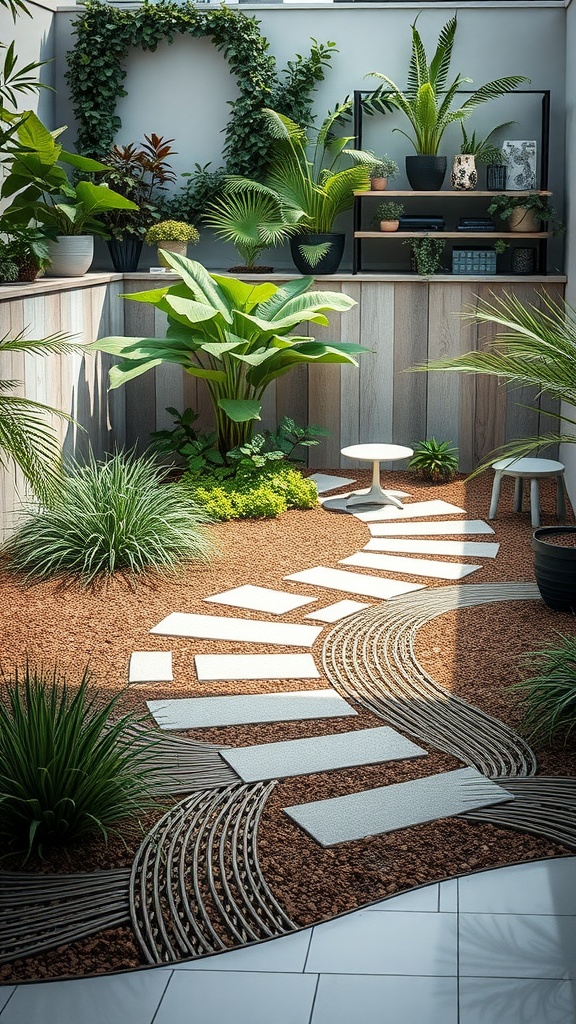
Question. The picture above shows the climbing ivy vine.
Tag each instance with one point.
(97, 72)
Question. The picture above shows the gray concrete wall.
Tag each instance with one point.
(35, 40)
(568, 452)
(182, 91)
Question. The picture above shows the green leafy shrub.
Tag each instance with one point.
(171, 231)
(67, 770)
(106, 516)
(265, 493)
(549, 697)
(435, 460)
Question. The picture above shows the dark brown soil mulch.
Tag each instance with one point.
(475, 653)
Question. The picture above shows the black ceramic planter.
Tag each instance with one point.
(125, 253)
(328, 264)
(426, 173)
(496, 177)
(555, 568)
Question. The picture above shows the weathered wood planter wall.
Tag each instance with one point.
(403, 321)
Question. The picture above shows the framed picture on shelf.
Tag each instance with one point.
(520, 164)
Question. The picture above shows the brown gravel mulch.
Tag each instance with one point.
(475, 653)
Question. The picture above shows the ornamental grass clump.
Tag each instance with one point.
(67, 769)
(549, 697)
(106, 516)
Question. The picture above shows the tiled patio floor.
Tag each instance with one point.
(498, 947)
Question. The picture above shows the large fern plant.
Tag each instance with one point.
(428, 102)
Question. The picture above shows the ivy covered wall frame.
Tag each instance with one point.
(97, 72)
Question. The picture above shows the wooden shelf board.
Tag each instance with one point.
(486, 235)
(445, 192)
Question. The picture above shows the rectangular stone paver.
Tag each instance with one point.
(413, 510)
(324, 482)
(354, 582)
(414, 546)
(150, 667)
(260, 599)
(374, 811)
(221, 627)
(320, 754)
(337, 611)
(435, 527)
(412, 566)
(290, 706)
(255, 666)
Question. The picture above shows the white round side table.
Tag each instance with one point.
(376, 453)
(534, 470)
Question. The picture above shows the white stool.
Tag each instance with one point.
(376, 453)
(534, 470)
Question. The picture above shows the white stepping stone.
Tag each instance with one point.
(320, 754)
(255, 666)
(412, 566)
(337, 611)
(340, 502)
(150, 667)
(414, 510)
(290, 706)
(260, 599)
(324, 482)
(374, 811)
(465, 549)
(465, 526)
(354, 582)
(220, 627)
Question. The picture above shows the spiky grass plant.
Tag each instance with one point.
(434, 460)
(107, 516)
(67, 770)
(549, 697)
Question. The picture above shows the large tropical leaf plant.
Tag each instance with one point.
(235, 336)
(427, 101)
(535, 347)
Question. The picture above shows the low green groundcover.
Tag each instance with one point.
(273, 490)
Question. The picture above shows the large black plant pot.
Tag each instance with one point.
(328, 264)
(125, 253)
(426, 173)
(555, 567)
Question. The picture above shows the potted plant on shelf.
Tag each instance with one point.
(251, 221)
(171, 236)
(387, 216)
(27, 249)
(474, 150)
(428, 102)
(382, 169)
(141, 175)
(525, 212)
(426, 254)
(310, 191)
(45, 196)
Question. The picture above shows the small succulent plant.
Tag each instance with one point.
(434, 460)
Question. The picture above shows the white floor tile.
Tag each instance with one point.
(353, 582)
(517, 946)
(545, 887)
(208, 997)
(6, 991)
(260, 599)
(337, 611)
(449, 896)
(429, 529)
(412, 566)
(255, 666)
(285, 954)
(222, 627)
(320, 754)
(424, 899)
(413, 510)
(392, 1000)
(457, 548)
(516, 1001)
(150, 667)
(288, 706)
(123, 999)
(369, 943)
(325, 483)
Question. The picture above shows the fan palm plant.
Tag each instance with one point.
(428, 101)
(251, 221)
(536, 347)
(26, 439)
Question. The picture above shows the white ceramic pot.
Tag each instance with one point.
(180, 248)
(70, 255)
(464, 173)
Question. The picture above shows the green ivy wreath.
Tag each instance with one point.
(97, 72)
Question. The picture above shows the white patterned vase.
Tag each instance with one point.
(464, 173)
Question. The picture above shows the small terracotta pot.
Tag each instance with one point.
(389, 225)
(180, 248)
(523, 220)
(378, 184)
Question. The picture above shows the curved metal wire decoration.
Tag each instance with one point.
(184, 765)
(370, 657)
(544, 806)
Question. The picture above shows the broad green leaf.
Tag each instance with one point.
(240, 410)
(83, 163)
(35, 136)
(244, 296)
(200, 282)
(117, 346)
(316, 301)
(219, 348)
(218, 376)
(285, 323)
(284, 294)
(99, 198)
(126, 371)
(195, 312)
